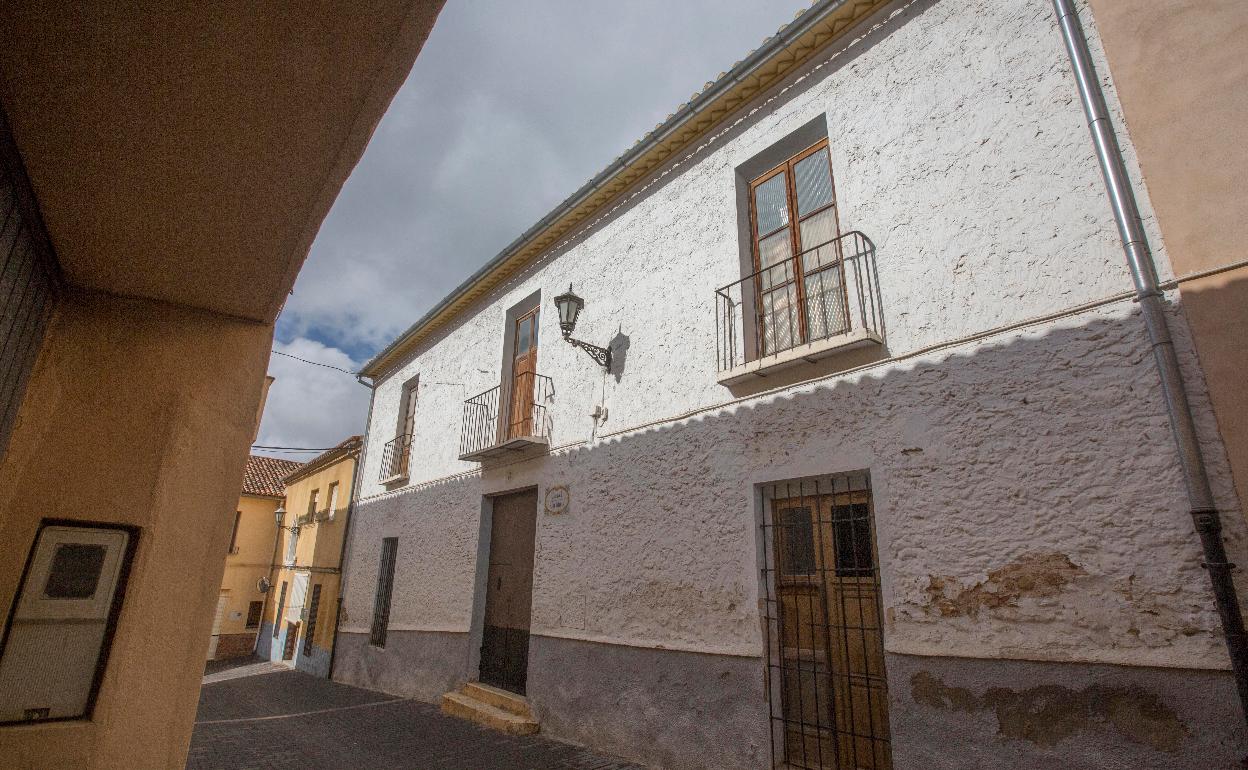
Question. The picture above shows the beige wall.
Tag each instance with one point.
(139, 413)
(253, 560)
(1181, 69)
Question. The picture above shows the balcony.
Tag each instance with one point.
(819, 303)
(524, 423)
(394, 459)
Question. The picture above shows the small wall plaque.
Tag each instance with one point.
(557, 499)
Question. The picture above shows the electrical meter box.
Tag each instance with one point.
(55, 645)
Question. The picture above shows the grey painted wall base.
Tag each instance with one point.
(970, 713)
(265, 641)
(316, 663)
(659, 707)
(414, 664)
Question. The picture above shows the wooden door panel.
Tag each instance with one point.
(509, 592)
(833, 687)
(523, 372)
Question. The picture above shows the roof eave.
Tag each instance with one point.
(837, 15)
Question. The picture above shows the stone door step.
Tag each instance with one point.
(458, 704)
(498, 698)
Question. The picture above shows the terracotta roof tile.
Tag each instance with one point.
(263, 475)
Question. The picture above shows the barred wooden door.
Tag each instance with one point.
(823, 607)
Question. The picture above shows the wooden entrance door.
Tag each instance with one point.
(509, 592)
(830, 651)
(523, 372)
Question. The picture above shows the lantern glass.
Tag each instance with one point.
(279, 515)
(569, 306)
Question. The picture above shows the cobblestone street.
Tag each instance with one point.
(291, 720)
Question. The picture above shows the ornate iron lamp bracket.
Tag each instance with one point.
(602, 356)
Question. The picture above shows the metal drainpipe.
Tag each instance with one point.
(346, 536)
(1144, 275)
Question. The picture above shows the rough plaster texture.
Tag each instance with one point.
(966, 714)
(1028, 501)
(661, 708)
(413, 664)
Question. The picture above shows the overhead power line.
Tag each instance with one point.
(316, 363)
(292, 448)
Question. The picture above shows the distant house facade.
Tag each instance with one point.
(240, 602)
(302, 615)
(857, 458)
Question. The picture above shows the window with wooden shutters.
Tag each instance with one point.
(314, 608)
(385, 585)
(238, 516)
(281, 609)
(800, 288)
(254, 611)
(333, 501)
(314, 500)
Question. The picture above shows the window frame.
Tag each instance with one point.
(238, 517)
(259, 614)
(385, 591)
(333, 500)
(314, 608)
(795, 219)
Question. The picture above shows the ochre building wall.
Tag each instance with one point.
(151, 408)
(1180, 68)
(243, 570)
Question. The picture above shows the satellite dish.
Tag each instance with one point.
(263, 585)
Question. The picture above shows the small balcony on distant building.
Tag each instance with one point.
(818, 303)
(395, 458)
(501, 422)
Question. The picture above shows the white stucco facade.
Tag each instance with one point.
(1012, 423)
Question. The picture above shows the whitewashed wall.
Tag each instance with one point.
(960, 148)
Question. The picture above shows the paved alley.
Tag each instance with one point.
(287, 719)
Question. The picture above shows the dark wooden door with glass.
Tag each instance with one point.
(509, 592)
(523, 374)
(827, 650)
(799, 288)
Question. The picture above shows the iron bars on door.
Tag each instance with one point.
(825, 669)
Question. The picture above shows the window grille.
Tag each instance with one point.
(314, 608)
(385, 584)
(30, 281)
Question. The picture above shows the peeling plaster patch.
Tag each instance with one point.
(1048, 714)
(1031, 575)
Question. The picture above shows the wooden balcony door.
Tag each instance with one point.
(799, 290)
(830, 652)
(523, 374)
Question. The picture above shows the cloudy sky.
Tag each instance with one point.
(510, 107)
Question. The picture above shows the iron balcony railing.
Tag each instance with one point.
(524, 414)
(395, 457)
(827, 291)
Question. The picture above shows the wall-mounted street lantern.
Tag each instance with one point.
(569, 306)
(280, 516)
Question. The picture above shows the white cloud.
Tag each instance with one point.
(311, 406)
(508, 110)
